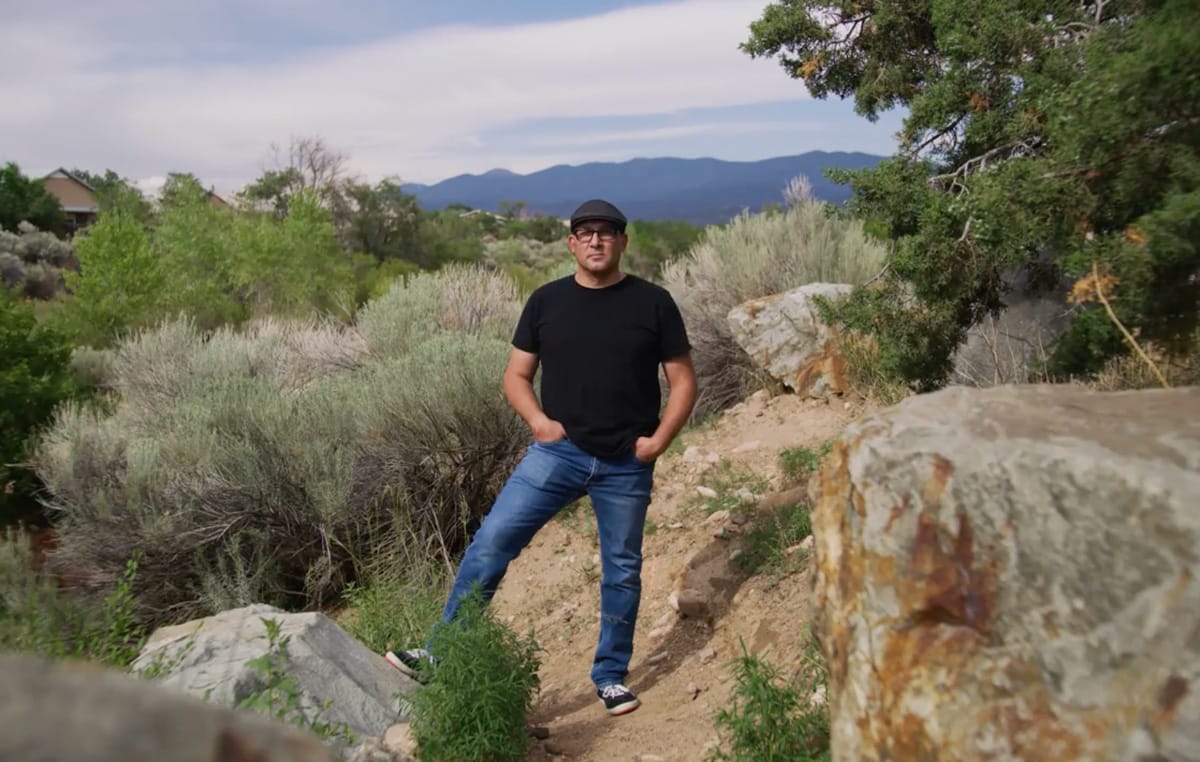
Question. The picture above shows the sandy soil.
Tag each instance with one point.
(681, 667)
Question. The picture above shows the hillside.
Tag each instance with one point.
(700, 191)
(681, 667)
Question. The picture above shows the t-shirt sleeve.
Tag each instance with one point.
(672, 336)
(525, 338)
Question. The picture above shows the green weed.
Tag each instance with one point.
(476, 705)
(773, 719)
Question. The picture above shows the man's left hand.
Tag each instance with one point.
(646, 449)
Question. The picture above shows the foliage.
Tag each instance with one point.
(752, 257)
(32, 261)
(797, 464)
(34, 378)
(399, 607)
(116, 193)
(381, 220)
(654, 243)
(1042, 138)
(772, 719)
(279, 697)
(457, 299)
(121, 284)
(37, 616)
(480, 692)
(277, 464)
(448, 237)
(26, 200)
(731, 486)
(770, 543)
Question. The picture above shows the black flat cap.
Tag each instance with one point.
(597, 209)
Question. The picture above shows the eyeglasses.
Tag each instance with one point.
(585, 234)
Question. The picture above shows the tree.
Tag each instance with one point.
(1043, 136)
(381, 220)
(120, 284)
(23, 199)
(116, 192)
(307, 164)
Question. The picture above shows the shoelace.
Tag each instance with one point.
(614, 691)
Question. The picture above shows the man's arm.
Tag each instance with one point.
(681, 377)
(518, 390)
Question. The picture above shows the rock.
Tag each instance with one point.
(80, 711)
(340, 681)
(693, 454)
(1014, 573)
(745, 496)
(717, 517)
(784, 335)
(707, 655)
(692, 604)
(706, 492)
(693, 690)
(658, 657)
(399, 738)
(746, 447)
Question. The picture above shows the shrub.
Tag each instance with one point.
(399, 606)
(274, 465)
(752, 257)
(441, 433)
(461, 299)
(34, 378)
(476, 705)
(771, 719)
(36, 616)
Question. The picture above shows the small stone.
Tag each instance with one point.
(746, 497)
(692, 603)
(665, 619)
(708, 655)
(707, 492)
(717, 517)
(694, 690)
(712, 457)
(818, 698)
(675, 525)
(673, 601)
(735, 555)
(658, 632)
(693, 454)
(656, 658)
(746, 447)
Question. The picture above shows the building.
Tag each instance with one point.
(77, 199)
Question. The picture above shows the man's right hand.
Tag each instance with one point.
(547, 430)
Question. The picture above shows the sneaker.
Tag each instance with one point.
(414, 662)
(618, 699)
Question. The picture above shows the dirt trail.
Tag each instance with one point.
(680, 667)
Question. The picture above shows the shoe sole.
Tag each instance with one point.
(625, 708)
(394, 660)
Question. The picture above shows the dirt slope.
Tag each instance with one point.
(680, 666)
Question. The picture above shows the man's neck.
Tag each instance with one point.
(593, 280)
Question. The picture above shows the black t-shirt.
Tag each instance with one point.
(599, 350)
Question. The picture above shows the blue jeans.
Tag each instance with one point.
(550, 477)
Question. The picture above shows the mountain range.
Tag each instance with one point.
(700, 191)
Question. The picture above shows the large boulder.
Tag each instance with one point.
(84, 713)
(339, 680)
(1014, 573)
(786, 337)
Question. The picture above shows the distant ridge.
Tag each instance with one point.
(700, 191)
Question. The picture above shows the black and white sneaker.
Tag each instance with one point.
(415, 662)
(618, 699)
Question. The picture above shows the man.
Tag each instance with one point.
(599, 336)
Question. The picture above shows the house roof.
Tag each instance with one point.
(72, 193)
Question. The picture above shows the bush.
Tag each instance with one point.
(476, 705)
(460, 299)
(36, 616)
(752, 257)
(275, 465)
(34, 378)
(772, 719)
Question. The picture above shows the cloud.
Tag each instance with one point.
(422, 105)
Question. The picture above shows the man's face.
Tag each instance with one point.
(597, 247)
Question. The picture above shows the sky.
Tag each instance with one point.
(419, 90)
